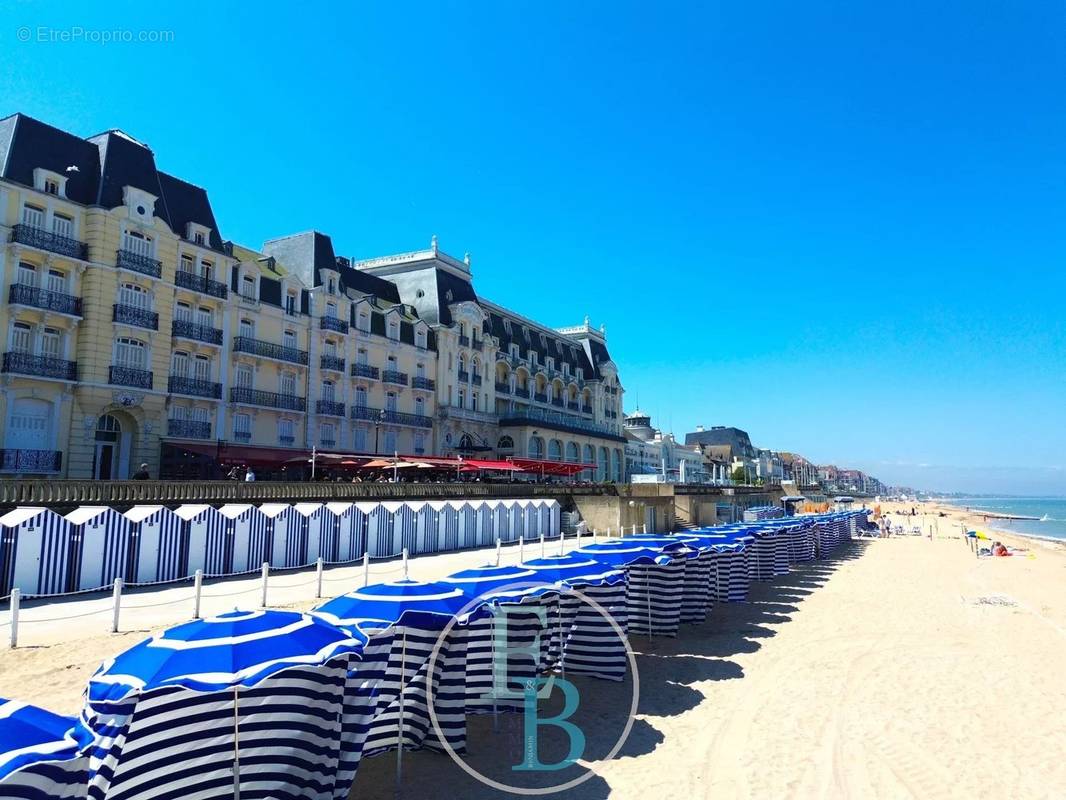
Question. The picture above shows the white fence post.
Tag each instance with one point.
(608, 531)
(521, 549)
(634, 529)
(645, 527)
(197, 583)
(562, 542)
(366, 568)
(15, 597)
(542, 550)
(117, 595)
(405, 563)
(498, 545)
(318, 577)
(266, 574)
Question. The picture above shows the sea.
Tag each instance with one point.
(1049, 511)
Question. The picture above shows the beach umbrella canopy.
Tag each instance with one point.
(574, 570)
(39, 757)
(406, 602)
(238, 648)
(493, 584)
(622, 553)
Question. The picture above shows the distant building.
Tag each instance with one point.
(737, 440)
(651, 452)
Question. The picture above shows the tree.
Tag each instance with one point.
(739, 475)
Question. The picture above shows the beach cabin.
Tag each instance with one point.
(36, 553)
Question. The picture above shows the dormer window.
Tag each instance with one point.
(51, 187)
(420, 339)
(50, 182)
(394, 329)
(197, 234)
(291, 304)
(198, 238)
(362, 322)
(248, 287)
(331, 310)
(332, 286)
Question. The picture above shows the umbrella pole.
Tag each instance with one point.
(236, 749)
(403, 680)
(647, 588)
(495, 709)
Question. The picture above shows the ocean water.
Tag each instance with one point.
(1051, 512)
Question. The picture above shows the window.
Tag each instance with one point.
(462, 397)
(186, 264)
(330, 348)
(394, 329)
(51, 186)
(566, 369)
(130, 294)
(130, 353)
(290, 304)
(288, 383)
(286, 430)
(33, 216)
(328, 391)
(242, 426)
(21, 338)
(359, 443)
(390, 363)
(177, 412)
(202, 368)
(207, 269)
(360, 397)
(198, 237)
(331, 310)
(205, 316)
(248, 287)
(514, 351)
(361, 356)
(52, 343)
(533, 357)
(550, 363)
(420, 406)
(363, 322)
(327, 434)
(137, 243)
(183, 312)
(27, 274)
(247, 329)
(179, 365)
(420, 370)
(288, 338)
(420, 443)
(462, 363)
(57, 281)
(390, 441)
(200, 414)
(244, 376)
(420, 339)
(332, 286)
(390, 401)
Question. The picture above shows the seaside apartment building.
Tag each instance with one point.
(133, 332)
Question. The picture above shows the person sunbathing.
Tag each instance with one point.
(999, 549)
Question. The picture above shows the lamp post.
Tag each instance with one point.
(377, 430)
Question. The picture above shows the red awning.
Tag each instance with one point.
(478, 463)
(542, 467)
(246, 454)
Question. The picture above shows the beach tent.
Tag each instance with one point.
(244, 702)
(513, 596)
(728, 579)
(386, 704)
(696, 598)
(39, 757)
(37, 553)
(655, 577)
(591, 645)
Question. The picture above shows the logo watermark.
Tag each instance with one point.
(533, 688)
(76, 34)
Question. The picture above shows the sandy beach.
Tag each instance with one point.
(902, 667)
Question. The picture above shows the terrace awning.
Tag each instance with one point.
(543, 467)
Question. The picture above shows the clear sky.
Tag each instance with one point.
(839, 226)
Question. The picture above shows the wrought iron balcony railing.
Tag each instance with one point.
(586, 409)
(137, 262)
(521, 391)
(540, 397)
(286, 438)
(557, 402)
(195, 331)
(503, 388)
(23, 295)
(257, 347)
(331, 408)
(257, 397)
(189, 428)
(464, 376)
(365, 371)
(327, 442)
(464, 341)
(131, 315)
(386, 417)
(333, 324)
(242, 436)
(199, 283)
(46, 240)
(477, 343)
(475, 379)
(31, 461)
(420, 382)
(334, 363)
(130, 376)
(194, 386)
(40, 366)
(392, 376)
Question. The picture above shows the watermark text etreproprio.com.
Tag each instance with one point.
(45, 34)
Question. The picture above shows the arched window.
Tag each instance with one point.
(505, 443)
(571, 452)
(603, 465)
(555, 450)
(108, 429)
(536, 447)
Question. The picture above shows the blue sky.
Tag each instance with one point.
(839, 226)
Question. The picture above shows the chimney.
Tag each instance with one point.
(699, 429)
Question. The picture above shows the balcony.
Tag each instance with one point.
(522, 392)
(464, 341)
(242, 436)
(198, 283)
(22, 295)
(392, 376)
(189, 428)
(278, 352)
(185, 329)
(328, 443)
(571, 406)
(365, 371)
(130, 376)
(139, 317)
(40, 366)
(475, 379)
(127, 259)
(329, 408)
(334, 363)
(477, 343)
(257, 397)
(420, 382)
(386, 417)
(540, 397)
(557, 402)
(286, 438)
(503, 388)
(33, 236)
(31, 461)
(586, 409)
(557, 421)
(194, 387)
(333, 324)
(464, 376)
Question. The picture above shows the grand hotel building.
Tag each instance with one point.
(133, 332)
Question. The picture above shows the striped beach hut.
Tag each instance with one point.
(207, 538)
(350, 523)
(655, 578)
(37, 553)
(591, 645)
(387, 698)
(100, 541)
(39, 757)
(307, 524)
(246, 530)
(158, 548)
(247, 703)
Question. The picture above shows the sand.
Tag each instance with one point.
(903, 667)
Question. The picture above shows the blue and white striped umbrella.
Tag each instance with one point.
(247, 701)
(590, 646)
(529, 607)
(386, 704)
(39, 757)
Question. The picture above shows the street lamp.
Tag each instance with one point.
(377, 430)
